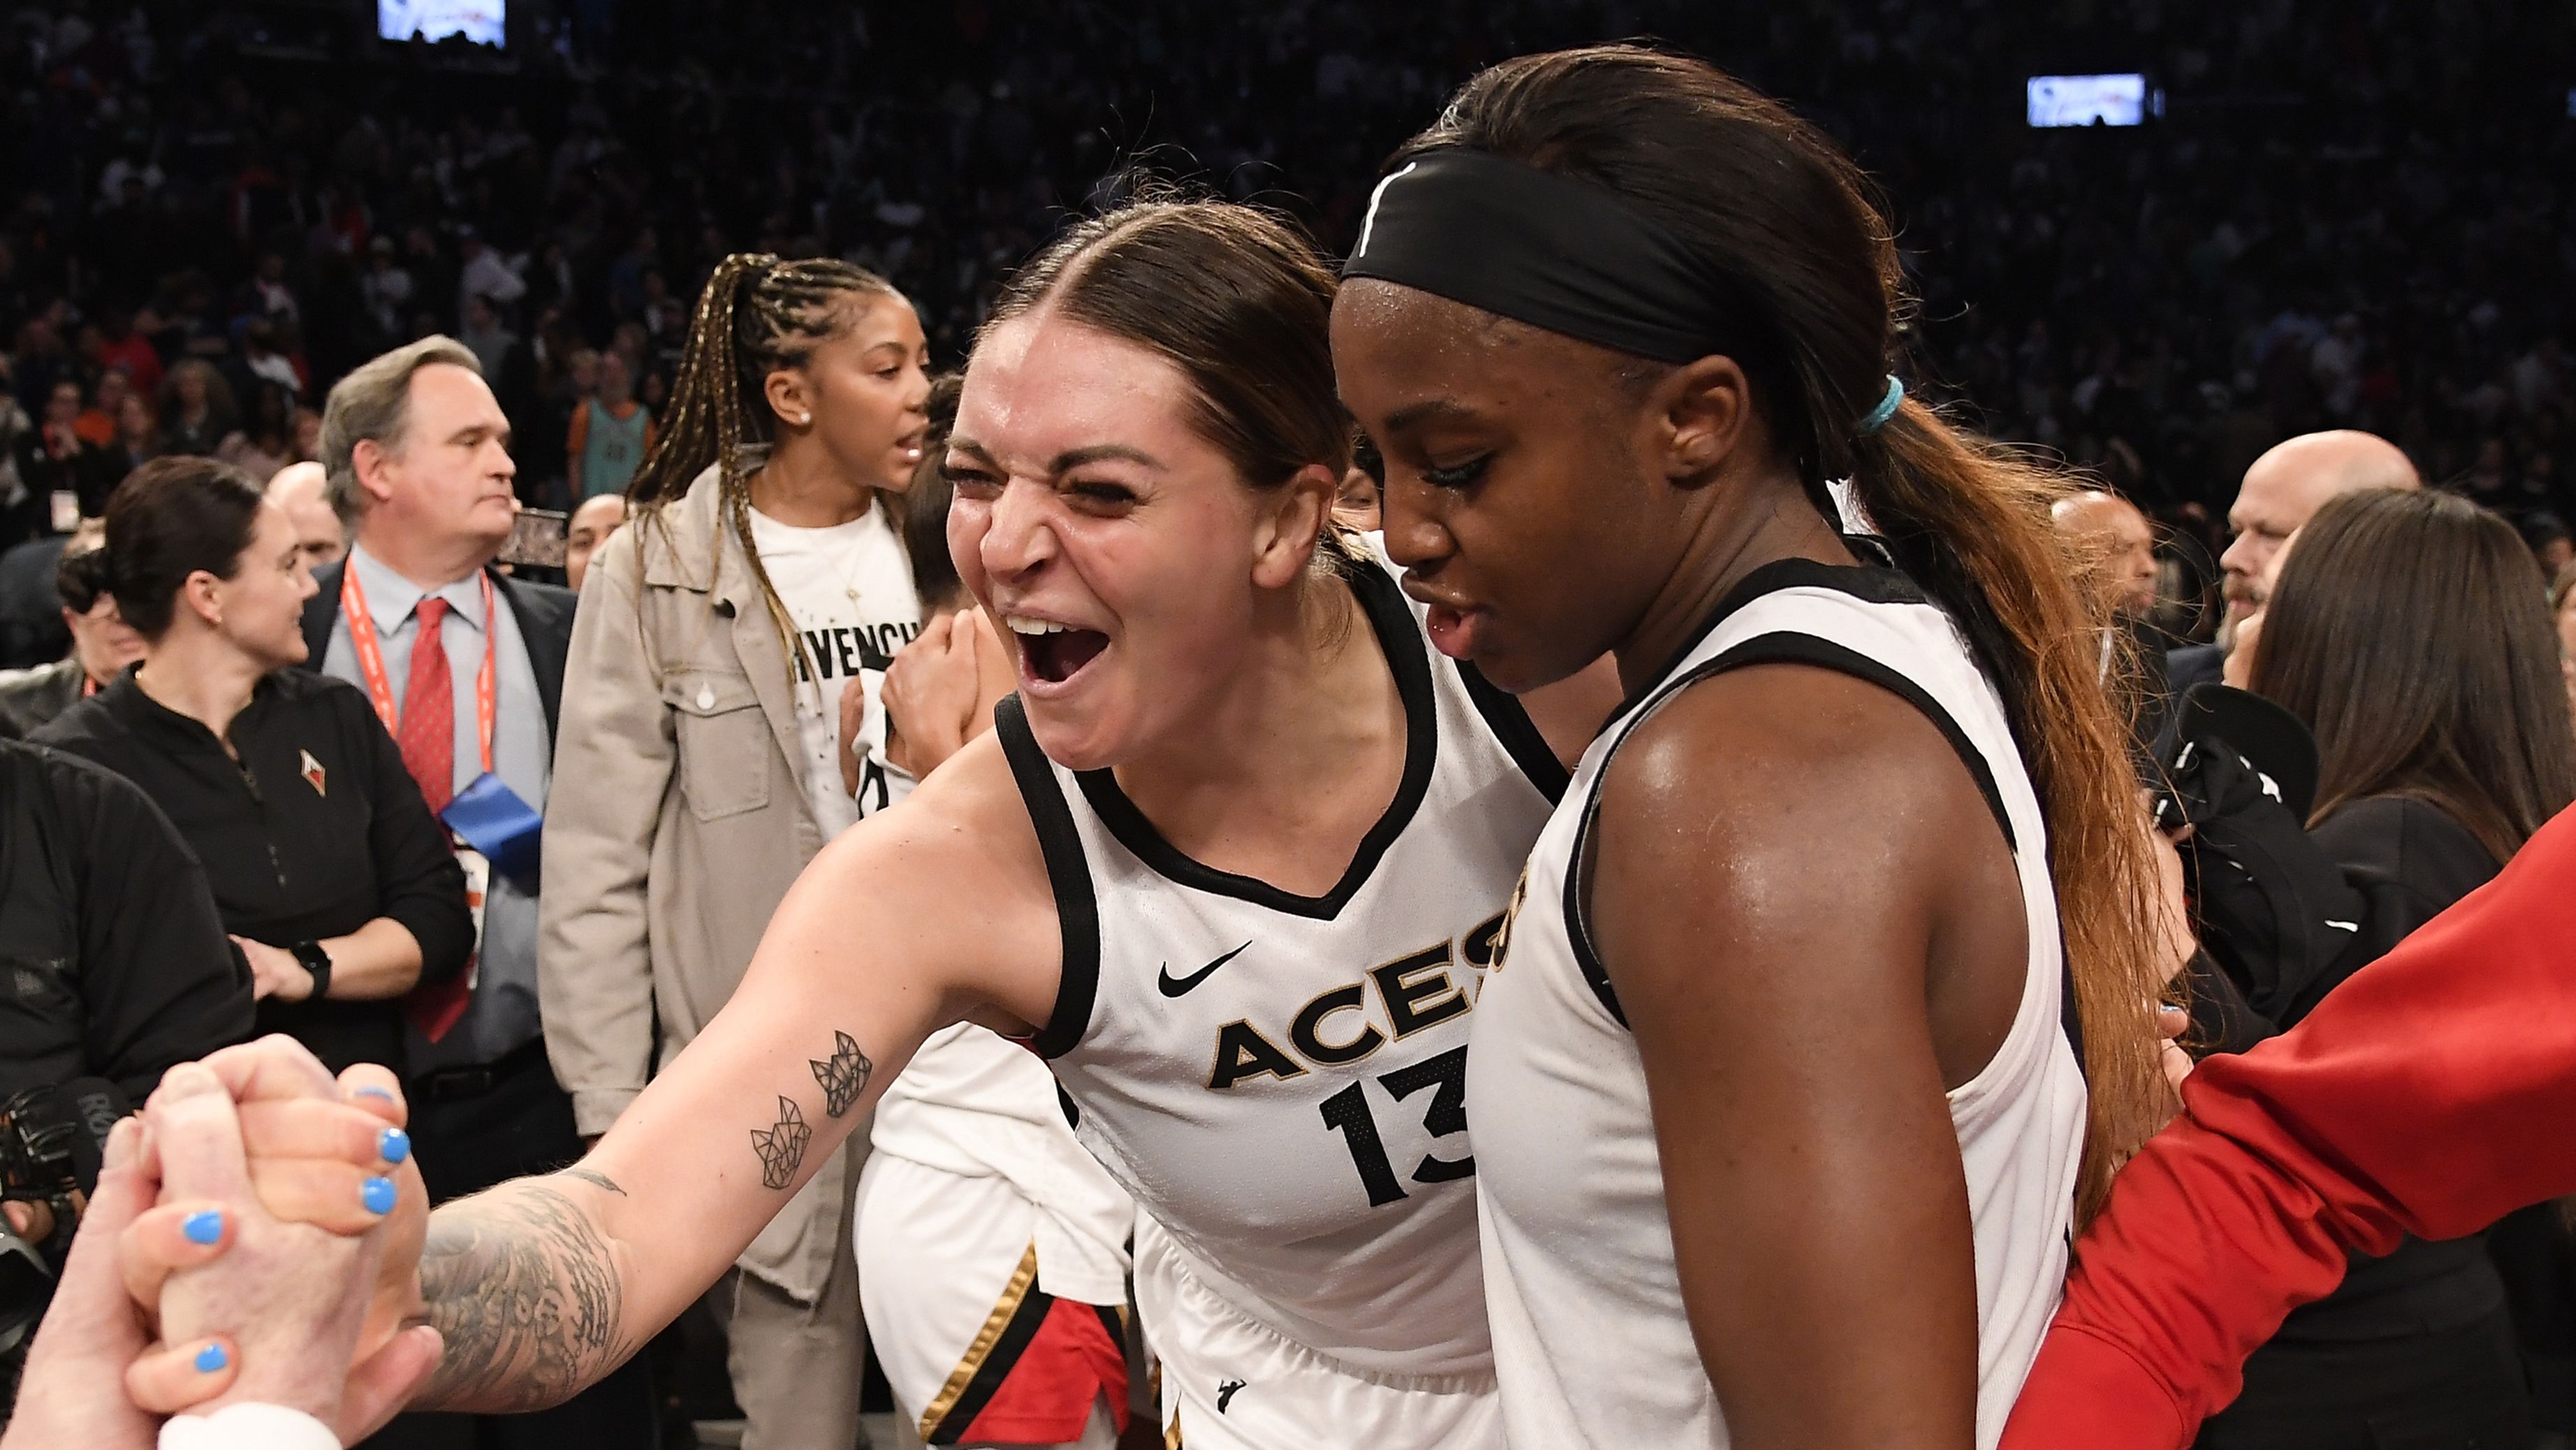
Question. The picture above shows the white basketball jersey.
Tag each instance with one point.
(1280, 1080)
(1591, 1345)
(978, 1105)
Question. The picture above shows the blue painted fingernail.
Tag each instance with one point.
(393, 1145)
(374, 1092)
(204, 1226)
(211, 1358)
(377, 1194)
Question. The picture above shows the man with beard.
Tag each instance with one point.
(2287, 485)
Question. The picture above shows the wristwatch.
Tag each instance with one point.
(316, 961)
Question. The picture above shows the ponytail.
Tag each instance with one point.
(1969, 521)
(1779, 217)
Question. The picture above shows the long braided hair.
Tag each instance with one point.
(758, 315)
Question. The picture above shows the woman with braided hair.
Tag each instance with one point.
(699, 750)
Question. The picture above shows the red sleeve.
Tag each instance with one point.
(2427, 1095)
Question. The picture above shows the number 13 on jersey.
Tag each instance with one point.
(1347, 1113)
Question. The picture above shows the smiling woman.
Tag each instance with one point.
(1235, 860)
(331, 875)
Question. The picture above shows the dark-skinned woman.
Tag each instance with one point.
(1781, 1116)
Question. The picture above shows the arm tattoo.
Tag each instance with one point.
(782, 1146)
(525, 1291)
(844, 1077)
(596, 1179)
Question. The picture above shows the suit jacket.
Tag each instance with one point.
(29, 698)
(544, 613)
(2193, 664)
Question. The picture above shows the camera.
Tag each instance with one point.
(52, 1140)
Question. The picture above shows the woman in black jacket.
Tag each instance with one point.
(336, 883)
(2410, 632)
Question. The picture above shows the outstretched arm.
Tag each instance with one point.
(542, 1286)
(928, 914)
(2428, 1095)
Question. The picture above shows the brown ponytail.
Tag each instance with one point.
(1794, 224)
(756, 316)
(1970, 521)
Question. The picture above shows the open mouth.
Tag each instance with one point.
(1052, 652)
(910, 444)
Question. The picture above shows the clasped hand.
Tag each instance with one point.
(255, 1237)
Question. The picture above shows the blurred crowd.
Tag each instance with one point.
(230, 204)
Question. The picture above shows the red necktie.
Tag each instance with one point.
(427, 740)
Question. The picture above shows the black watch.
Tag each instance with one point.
(316, 961)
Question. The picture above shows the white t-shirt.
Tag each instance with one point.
(849, 590)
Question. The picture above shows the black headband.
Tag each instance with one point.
(1553, 251)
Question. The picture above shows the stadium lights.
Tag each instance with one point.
(434, 20)
(2104, 100)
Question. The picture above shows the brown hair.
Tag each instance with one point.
(1795, 226)
(1237, 299)
(925, 504)
(2410, 629)
(169, 519)
(757, 316)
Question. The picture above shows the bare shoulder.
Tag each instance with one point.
(1790, 755)
(953, 875)
(1802, 815)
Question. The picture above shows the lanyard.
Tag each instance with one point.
(371, 662)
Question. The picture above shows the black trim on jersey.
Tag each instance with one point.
(1512, 726)
(1018, 1333)
(1781, 647)
(1869, 583)
(1077, 911)
(1113, 1317)
(1408, 656)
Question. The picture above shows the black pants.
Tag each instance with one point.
(2461, 1389)
(470, 1132)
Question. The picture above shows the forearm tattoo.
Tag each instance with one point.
(596, 1179)
(844, 1076)
(526, 1293)
(781, 1146)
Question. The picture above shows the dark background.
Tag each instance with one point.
(2150, 302)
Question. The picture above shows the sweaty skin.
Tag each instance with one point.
(1560, 501)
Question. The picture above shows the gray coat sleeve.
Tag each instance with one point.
(614, 756)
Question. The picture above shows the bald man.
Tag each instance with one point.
(2117, 548)
(298, 489)
(589, 527)
(2116, 544)
(2281, 492)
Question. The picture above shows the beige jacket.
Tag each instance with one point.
(678, 822)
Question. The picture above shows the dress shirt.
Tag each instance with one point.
(503, 1013)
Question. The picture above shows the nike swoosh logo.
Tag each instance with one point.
(1175, 986)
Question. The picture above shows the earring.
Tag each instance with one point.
(804, 418)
